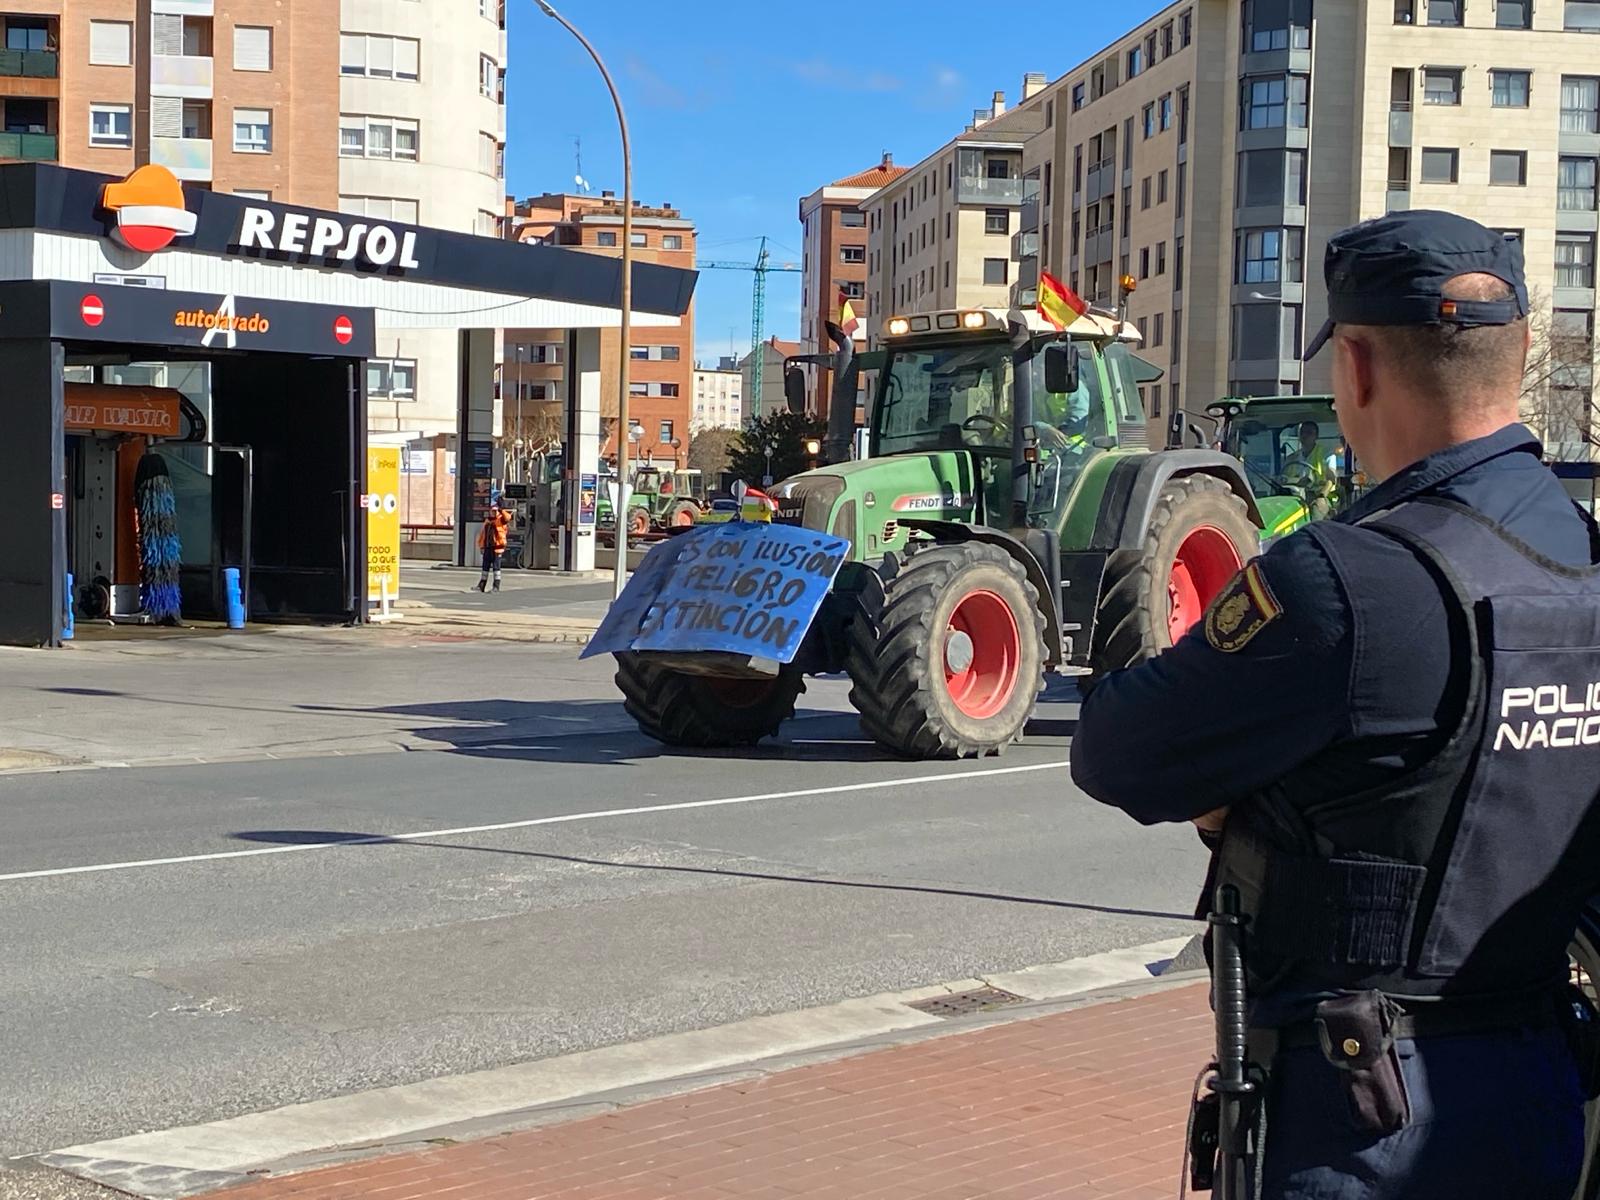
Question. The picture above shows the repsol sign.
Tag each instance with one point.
(327, 239)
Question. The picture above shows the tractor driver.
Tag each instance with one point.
(1311, 472)
(1352, 728)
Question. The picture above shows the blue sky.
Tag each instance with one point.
(737, 111)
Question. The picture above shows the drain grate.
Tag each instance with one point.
(959, 1004)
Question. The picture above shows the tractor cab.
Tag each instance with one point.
(1295, 458)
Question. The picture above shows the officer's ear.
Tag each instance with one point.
(1353, 370)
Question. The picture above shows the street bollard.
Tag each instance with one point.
(66, 618)
(230, 581)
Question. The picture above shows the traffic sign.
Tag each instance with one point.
(92, 310)
(343, 330)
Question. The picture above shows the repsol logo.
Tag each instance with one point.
(1552, 716)
(326, 238)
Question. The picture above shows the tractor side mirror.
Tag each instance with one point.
(794, 389)
(1060, 368)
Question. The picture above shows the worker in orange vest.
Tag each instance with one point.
(492, 540)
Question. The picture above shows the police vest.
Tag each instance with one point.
(1467, 875)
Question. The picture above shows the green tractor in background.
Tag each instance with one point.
(1294, 456)
(1009, 520)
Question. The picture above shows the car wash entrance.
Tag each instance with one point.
(195, 433)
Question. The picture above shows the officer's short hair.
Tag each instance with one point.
(1446, 361)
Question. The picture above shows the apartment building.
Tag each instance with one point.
(661, 370)
(770, 363)
(203, 87)
(718, 398)
(834, 264)
(941, 234)
(421, 139)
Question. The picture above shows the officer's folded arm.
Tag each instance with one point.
(1253, 691)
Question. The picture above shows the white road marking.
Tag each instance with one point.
(560, 819)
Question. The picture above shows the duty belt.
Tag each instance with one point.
(1438, 1018)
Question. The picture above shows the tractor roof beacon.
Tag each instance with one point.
(1009, 519)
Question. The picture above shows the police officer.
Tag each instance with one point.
(1388, 727)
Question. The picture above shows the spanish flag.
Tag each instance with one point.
(1058, 303)
(848, 321)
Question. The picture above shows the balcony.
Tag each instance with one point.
(187, 158)
(1400, 126)
(31, 147)
(1398, 196)
(1025, 245)
(994, 192)
(187, 75)
(1029, 219)
(29, 64)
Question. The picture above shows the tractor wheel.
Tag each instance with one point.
(638, 521)
(1199, 536)
(951, 663)
(701, 712)
(683, 512)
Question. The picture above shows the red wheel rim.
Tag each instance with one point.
(683, 517)
(982, 649)
(639, 523)
(1205, 561)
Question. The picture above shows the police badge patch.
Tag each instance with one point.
(1241, 610)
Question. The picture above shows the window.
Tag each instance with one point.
(1127, 146)
(1080, 96)
(1161, 188)
(1575, 260)
(252, 131)
(852, 219)
(1508, 168)
(996, 220)
(252, 48)
(1150, 48)
(1439, 165)
(1165, 110)
(666, 433)
(257, 194)
(1049, 115)
(1155, 399)
(1582, 16)
(1183, 116)
(1166, 40)
(25, 34)
(1144, 262)
(1135, 61)
(1144, 193)
(111, 125)
(1441, 85)
(605, 238)
(853, 254)
(1186, 27)
(1508, 89)
(998, 168)
(1157, 327)
(110, 43)
(947, 274)
(1161, 258)
(1255, 331)
(1177, 277)
(1444, 12)
(1276, 25)
(1575, 184)
(1580, 104)
(377, 56)
(995, 271)
(377, 137)
(1183, 179)
(1294, 255)
(642, 353)
(854, 289)
(1260, 254)
(382, 208)
(674, 241)
(638, 240)
(1149, 120)
(392, 379)
(489, 78)
(1513, 14)
(1273, 101)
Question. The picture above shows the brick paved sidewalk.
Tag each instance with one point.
(1085, 1103)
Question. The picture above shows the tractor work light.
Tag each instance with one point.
(898, 326)
(972, 320)
(921, 324)
(946, 320)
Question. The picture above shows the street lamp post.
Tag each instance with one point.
(620, 577)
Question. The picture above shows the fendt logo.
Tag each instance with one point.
(149, 209)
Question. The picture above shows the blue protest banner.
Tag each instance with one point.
(747, 588)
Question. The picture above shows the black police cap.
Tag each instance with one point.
(1393, 271)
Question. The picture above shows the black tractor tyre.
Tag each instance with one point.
(909, 647)
(1132, 622)
(701, 712)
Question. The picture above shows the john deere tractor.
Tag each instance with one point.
(1009, 520)
(1294, 457)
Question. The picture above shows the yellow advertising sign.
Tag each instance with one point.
(383, 520)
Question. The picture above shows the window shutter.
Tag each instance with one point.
(110, 43)
(252, 48)
(166, 33)
(380, 56)
(166, 116)
(405, 58)
(352, 52)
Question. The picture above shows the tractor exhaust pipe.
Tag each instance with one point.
(842, 403)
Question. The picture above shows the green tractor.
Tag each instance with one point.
(666, 499)
(1009, 520)
(1294, 456)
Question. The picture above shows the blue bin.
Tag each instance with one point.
(230, 579)
(66, 618)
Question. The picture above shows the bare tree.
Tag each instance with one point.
(1558, 400)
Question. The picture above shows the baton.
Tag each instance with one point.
(1234, 1088)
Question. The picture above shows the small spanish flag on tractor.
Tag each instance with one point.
(848, 321)
(1058, 303)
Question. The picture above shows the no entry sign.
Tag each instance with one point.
(343, 330)
(92, 310)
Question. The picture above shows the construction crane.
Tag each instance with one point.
(758, 311)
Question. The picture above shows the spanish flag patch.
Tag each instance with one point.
(1241, 610)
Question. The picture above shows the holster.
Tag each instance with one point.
(1581, 1024)
(1357, 1037)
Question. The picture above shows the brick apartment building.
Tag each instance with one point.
(661, 373)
